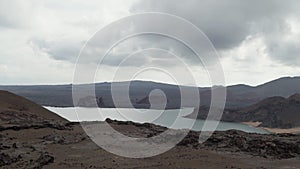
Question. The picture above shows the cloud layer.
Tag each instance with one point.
(229, 23)
(41, 39)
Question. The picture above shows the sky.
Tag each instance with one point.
(257, 41)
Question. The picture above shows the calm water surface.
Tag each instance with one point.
(168, 118)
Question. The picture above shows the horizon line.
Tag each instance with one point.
(150, 81)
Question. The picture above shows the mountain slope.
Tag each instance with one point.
(272, 112)
(18, 111)
(275, 112)
(240, 96)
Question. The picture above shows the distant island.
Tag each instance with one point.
(274, 104)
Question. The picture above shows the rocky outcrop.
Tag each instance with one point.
(6, 159)
(280, 146)
(40, 150)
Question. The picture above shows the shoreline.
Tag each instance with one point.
(295, 130)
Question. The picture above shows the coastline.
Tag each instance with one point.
(295, 130)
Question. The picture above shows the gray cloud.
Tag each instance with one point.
(59, 50)
(225, 22)
(228, 23)
(282, 44)
(139, 50)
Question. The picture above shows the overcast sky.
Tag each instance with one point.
(257, 40)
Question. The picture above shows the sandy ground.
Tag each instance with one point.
(274, 130)
(277, 130)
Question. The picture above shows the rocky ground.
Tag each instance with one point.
(60, 145)
(32, 137)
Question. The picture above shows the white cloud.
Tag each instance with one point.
(37, 36)
(252, 64)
